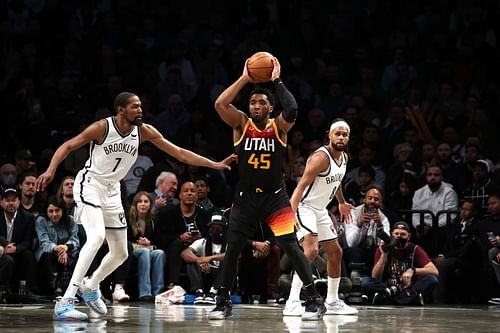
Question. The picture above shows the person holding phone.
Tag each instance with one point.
(178, 227)
(361, 235)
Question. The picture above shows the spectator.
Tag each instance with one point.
(453, 173)
(361, 234)
(202, 191)
(436, 196)
(30, 200)
(459, 261)
(17, 234)
(138, 169)
(8, 174)
(24, 161)
(353, 192)
(259, 266)
(480, 187)
(401, 199)
(58, 246)
(65, 191)
(203, 259)
(150, 259)
(489, 232)
(178, 227)
(403, 274)
(166, 188)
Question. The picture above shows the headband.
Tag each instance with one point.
(340, 123)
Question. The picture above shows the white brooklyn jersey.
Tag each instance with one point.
(111, 159)
(322, 190)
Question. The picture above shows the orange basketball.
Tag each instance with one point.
(260, 66)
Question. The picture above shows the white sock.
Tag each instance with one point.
(295, 288)
(333, 289)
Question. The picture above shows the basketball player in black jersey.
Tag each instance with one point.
(260, 143)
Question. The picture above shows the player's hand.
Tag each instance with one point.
(345, 211)
(276, 70)
(224, 164)
(245, 74)
(43, 180)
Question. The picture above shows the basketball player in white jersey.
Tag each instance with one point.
(114, 144)
(320, 182)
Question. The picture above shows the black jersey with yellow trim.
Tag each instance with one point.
(260, 157)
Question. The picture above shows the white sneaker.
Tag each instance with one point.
(293, 307)
(92, 298)
(119, 295)
(65, 310)
(338, 307)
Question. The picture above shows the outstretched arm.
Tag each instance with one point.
(149, 133)
(94, 132)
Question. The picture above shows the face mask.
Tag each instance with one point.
(9, 180)
(216, 237)
(401, 242)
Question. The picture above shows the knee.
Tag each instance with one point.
(311, 253)
(141, 252)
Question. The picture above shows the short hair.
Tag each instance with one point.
(367, 169)
(264, 91)
(376, 187)
(201, 177)
(122, 99)
(161, 177)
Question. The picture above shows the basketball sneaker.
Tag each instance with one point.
(119, 295)
(222, 310)
(293, 307)
(92, 298)
(314, 308)
(338, 307)
(65, 310)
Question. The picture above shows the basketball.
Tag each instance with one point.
(260, 66)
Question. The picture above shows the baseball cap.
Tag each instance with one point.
(24, 154)
(401, 225)
(9, 191)
(218, 219)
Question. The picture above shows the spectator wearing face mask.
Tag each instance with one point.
(8, 176)
(203, 258)
(403, 272)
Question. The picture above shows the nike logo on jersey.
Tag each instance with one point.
(133, 135)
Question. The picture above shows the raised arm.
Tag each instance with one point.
(286, 118)
(149, 133)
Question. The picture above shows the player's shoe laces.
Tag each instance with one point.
(338, 307)
(222, 310)
(293, 307)
(92, 298)
(65, 310)
(314, 308)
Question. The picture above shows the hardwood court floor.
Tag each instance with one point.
(151, 318)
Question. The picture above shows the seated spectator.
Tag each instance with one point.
(354, 193)
(489, 232)
(178, 227)
(494, 255)
(460, 259)
(480, 186)
(31, 201)
(361, 234)
(7, 266)
(366, 157)
(17, 234)
(203, 192)
(166, 188)
(403, 273)
(8, 176)
(203, 258)
(401, 199)
(150, 260)
(259, 266)
(58, 246)
(436, 196)
(65, 191)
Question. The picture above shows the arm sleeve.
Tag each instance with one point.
(288, 102)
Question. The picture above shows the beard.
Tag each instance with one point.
(336, 147)
(137, 122)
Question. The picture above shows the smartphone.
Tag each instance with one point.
(490, 234)
(195, 232)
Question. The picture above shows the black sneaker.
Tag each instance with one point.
(222, 310)
(314, 308)
(379, 299)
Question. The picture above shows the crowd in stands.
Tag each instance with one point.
(417, 82)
